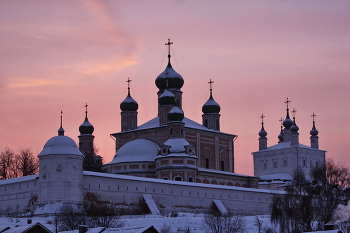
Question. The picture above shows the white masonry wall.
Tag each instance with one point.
(176, 195)
(18, 195)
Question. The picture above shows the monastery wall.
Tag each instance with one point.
(18, 195)
(172, 195)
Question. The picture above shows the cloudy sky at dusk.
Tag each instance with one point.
(58, 55)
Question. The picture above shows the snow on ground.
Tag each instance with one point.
(177, 224)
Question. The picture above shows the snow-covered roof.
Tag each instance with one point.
(60, 145)
(176, 110)
(283, 145)
(173, 182)
(19, 179)
(129, 99)
(139, 150)
(277, 176)
(154, 123)
(220, 172)
(176, 145)
(166, 93)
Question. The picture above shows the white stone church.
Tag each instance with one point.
(170, 162)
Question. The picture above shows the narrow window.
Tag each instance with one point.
(207, 163)
(171, 131)
(304, 163)
(206, 123)
(217, 124)
(275, 164)
(222, 165)
(190, 179)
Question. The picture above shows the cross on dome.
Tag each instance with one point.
(287, 103)
(211, 89)
(262, 118)
(61, 130)
(168, 44)
(128, 81)
(281, 121)
(86, 111)
(313, 117)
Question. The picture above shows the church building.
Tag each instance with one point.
(276, 164)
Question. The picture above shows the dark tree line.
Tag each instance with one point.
(16, 164)
(310, 204)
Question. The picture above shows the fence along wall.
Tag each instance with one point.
(176, 195)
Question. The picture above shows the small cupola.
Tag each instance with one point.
(169, 78)
(129, 104)
(211, 106)
(61, 130)
(262, 132)
(175, 114)
(287, 123)
(294, 128)
(86, 127)
(314, 131)
(167, 98)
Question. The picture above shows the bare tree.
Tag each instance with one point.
(8, 168)
(70, 217)
(310, 204)
(228, 223)
(27, 163)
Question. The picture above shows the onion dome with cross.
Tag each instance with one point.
(169, 78)
(287, 123)
(129, 104)
(294, 127)
(314, 131)
(86, 127)
(211, 106)
(262, 132)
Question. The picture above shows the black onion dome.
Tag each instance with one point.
(167, 98)
(129, 104)
(175, 114)
(169, 75)
(211, 106)
(314, 131)
(287, 123)
(294, 127)
(280, 136)
(86, 127)
(262, 132)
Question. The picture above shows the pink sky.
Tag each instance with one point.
(58, 55)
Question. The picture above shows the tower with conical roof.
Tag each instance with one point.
(262, 135)
(211, 110)
(314, 133)
(169, 81)
(128, 112)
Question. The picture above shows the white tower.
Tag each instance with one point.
(61, 171)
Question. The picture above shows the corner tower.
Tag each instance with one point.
(61, 171)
